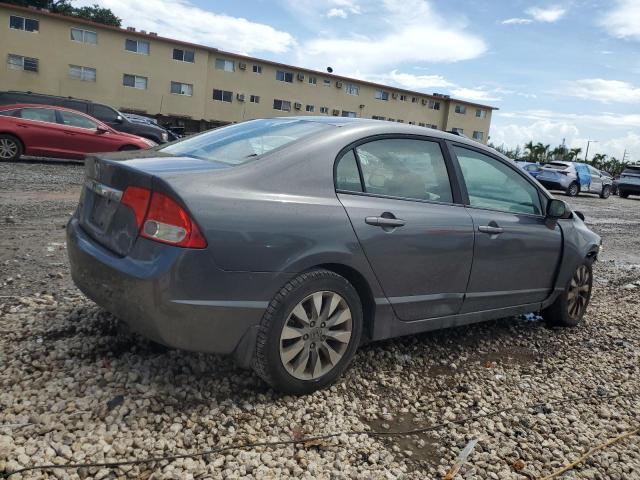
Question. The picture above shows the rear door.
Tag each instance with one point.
(38, 129)
(416, 235)
(516, 250)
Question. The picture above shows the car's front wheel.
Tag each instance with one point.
(573, 190)
(623, 194)
(309, 333)
(606, 191)
(570, 306)
(10, 147)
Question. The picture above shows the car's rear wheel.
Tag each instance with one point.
(10, 147)
(309, 333)
(570, 306)
(623, 194)
(573, 189)
(614, 190)
(606, 191)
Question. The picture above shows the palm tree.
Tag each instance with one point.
(574, 153)
(529, 149)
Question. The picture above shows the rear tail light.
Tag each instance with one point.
(160, 218)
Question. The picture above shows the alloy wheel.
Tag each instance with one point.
(8, 148)
(579, 291)
(316, 335)
(573, 190)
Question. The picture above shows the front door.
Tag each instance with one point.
(82, 134)
(516, 249)
(419, 243)
(596, 180)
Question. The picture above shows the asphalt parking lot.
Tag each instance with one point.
(76, 388)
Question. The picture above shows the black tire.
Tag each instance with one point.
(559, 313)
(614, 190)
(127, 148)
(623, 194)
(10, 148)
(606, 191)
(267, 361)
(573, 190)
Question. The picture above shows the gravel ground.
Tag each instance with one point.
(76, 388)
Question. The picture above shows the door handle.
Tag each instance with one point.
(70, 133)
(22, 125)
(384, 221)
(490, 229)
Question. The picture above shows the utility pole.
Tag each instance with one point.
(587, 152)
(624, 156)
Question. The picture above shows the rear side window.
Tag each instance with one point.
(39, 114)
(347, 175)
(406, 168)
(495, 186)
(243, 142)
(75, 105)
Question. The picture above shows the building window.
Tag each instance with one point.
(86, 74)
(254, 98)
(391, 119)
(403, 98)
(352, 89)
(324, 110)
(348, 114)
(226, 65)
(457, 130)
(326, 82)
(382, 95)
(400, 121)
(310, 108)
(137, 46)
(313, 80)
(435, 127)
(222, 95)
(421, 124)
(22, 23)
(184, 55)
(433, 105)
(135, 81)
(179, 88)
(414, 99)
(478, 135)
(282, 105)
(18, 62)
(461, 109)
(480, 113)
(84, 36)
(283, 76)
(377, 117)
(257, 69)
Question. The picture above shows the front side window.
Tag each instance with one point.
(225, 65)
(405, 168)
(137, 46)
(593, 171)
(382, 95)
(179, 88)
(283, 76)
(222, 95)
(84, 36)
(18, 62)
(39, 114)
(135, 81)
(240, 143)
(493, 185)
(282, 105)
(75, 120)
(22, 23)
(104, 113)
(86, 74)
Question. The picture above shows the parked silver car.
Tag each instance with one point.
(574, 178)
(629, 181)
(289, 242)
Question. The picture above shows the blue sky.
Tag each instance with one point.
(561, 69)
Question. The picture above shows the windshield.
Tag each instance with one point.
(631, 171)
(240, 143)
(557, 165)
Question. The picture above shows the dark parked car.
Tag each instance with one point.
(104, 113)
(629, 181)
(289, 242)
(135, 118)
(59, 132)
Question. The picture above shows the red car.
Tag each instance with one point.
(50, 131)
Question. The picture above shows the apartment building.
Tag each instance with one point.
(195, 86)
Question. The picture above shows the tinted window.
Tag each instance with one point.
(347, 175)
(493, 185)
(75, 105)
(75, 120)
(405, 168)
(104, 113)
(240, 143)
(40, 114)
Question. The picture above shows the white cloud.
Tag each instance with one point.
(605, 91)
(605, 119)
(182, 20)
(549, 15)
(479, 94)
(401, 32)
(623, 20)
(545, 131)
(337, 12)
(517, 21)
(410, 81)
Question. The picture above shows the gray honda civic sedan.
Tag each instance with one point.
(289, 242)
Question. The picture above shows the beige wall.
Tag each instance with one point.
(53, 46)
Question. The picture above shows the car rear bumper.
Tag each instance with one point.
(630, 188)
(171, 295)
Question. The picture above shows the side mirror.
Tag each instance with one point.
(557, 208)
(101, 130)
(119, 119)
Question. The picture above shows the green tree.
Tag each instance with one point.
(94, 13)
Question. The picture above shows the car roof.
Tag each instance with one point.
(16, 106)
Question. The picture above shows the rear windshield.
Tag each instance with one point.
(557, 165)
(240, 143)
(631, 171)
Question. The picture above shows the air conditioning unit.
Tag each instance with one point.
(301, 76)
(153, 34)
(143, 31)
(362, 105)
(131, 29)
(240, 97)
(297, 106)
(336, 112)
(394, 95)
(424, 101)
(338, 84)
(242, 66)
